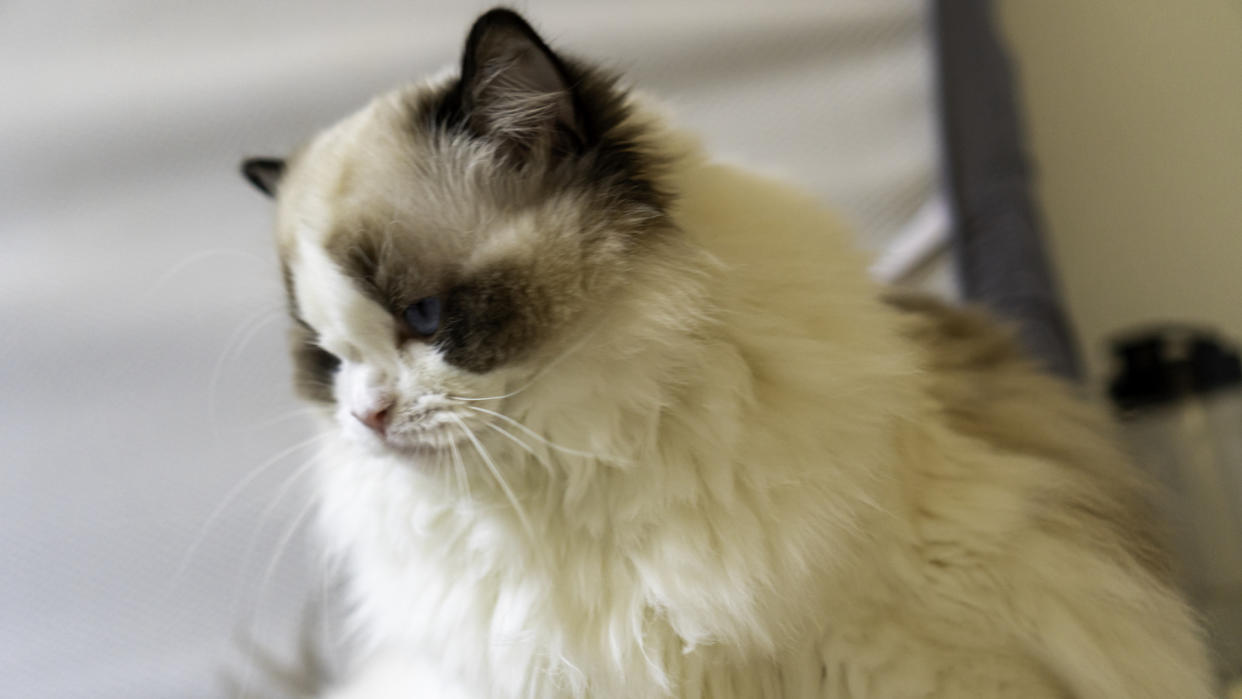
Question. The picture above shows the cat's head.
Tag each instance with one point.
(454, 238)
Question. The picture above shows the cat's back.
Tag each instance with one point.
(987, 389)
(1023, 507)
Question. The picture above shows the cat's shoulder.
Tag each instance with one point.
(960, 338)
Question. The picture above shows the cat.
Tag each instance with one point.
(607, 418)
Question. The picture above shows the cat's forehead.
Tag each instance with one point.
(383, 184)
(382, 166)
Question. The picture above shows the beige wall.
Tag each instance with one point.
(1134, 111)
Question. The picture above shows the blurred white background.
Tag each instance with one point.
(143, 374)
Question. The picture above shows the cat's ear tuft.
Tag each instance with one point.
(513, 87)
(264, 173)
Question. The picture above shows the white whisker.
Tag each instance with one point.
(545, 440)
(277, 498)
(539, 374)
(529, 449)
(199, 257)
(231, 495)
(283, 417)
(459, 466)
(281, 547)
(245, 333)
(504, 486)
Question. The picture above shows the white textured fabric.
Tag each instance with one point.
(142, 364)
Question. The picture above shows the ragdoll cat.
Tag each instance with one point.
(606, 418)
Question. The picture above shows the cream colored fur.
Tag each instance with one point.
(759, 489)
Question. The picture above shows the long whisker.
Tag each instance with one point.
(283, 417)
(539, 374)
(529, 449)
(281, 547)
(545, 440)
(199, 257)
(277, 498)
(231, 495)
(461, 488)
(245, 333)
(459, 466)
(487, 458)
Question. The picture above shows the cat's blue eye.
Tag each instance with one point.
(423, 316)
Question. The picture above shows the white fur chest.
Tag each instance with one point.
(457, 581)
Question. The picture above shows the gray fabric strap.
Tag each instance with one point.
(997, 238)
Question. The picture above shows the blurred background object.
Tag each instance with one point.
(1133, 110)
(1133, 113)
(1179, 393)
(155, 460)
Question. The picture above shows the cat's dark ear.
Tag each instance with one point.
(264, 173)
(514, 88)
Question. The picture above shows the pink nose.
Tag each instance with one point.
(376, 419)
